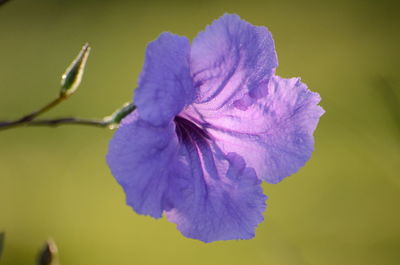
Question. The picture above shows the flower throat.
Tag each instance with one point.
(189, 131)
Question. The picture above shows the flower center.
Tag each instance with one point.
(189, 131)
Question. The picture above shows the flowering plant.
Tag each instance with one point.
(212, 121)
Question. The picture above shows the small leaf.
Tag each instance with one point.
(72, 77)
(49, 254)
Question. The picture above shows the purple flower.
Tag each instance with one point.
(212, 122)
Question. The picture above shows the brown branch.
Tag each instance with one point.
(65, 121)
(29, 117)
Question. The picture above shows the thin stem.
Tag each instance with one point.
(65, 121)
(110, 122)
(29, 117)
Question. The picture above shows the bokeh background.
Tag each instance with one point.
(341, 208)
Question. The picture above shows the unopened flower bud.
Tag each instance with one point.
(119, 114)
(72, 77)
(49, 254)
(2, 235)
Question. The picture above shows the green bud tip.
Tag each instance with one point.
(72, 77)
(119, 114)
(48, 255)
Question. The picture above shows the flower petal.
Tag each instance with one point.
(231, 58)
(215, 197)
(139, 156)
(165, 85)
(275, 135)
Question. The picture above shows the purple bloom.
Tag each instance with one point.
(212, 121)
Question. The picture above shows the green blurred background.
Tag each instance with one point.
(341, 208)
